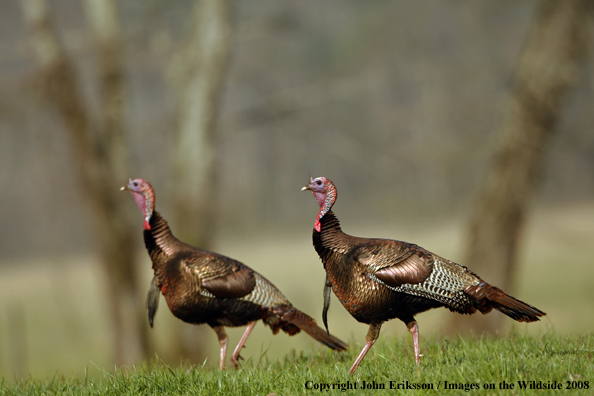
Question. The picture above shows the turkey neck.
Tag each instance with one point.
(159, 241)
(330, 240)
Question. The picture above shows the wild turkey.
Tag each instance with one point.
(205, 287)
(381, 279)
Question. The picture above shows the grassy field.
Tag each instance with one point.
(450, 366)
(53, 321)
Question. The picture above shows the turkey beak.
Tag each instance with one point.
(126, 186)
(307, 186)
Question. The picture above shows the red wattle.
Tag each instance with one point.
(317, 226)
(147, 226)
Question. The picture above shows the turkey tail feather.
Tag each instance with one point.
(295, 317)
(492, 297)
(517, 309)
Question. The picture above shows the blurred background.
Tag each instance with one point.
(227, 108)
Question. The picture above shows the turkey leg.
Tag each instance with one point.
(413, 327)
(372, 334)
(235, 356)
(223, 341)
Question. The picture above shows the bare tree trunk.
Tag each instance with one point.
(548, 68)
(100, 160)
(200, 68)
(104, 20)
(198, 71)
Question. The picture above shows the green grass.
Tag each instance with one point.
(65, 323)
(480, 361)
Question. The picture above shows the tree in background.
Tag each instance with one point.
(197, 73)
(101, 154)
(548, 67)
(198, 70)
(100, 158)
